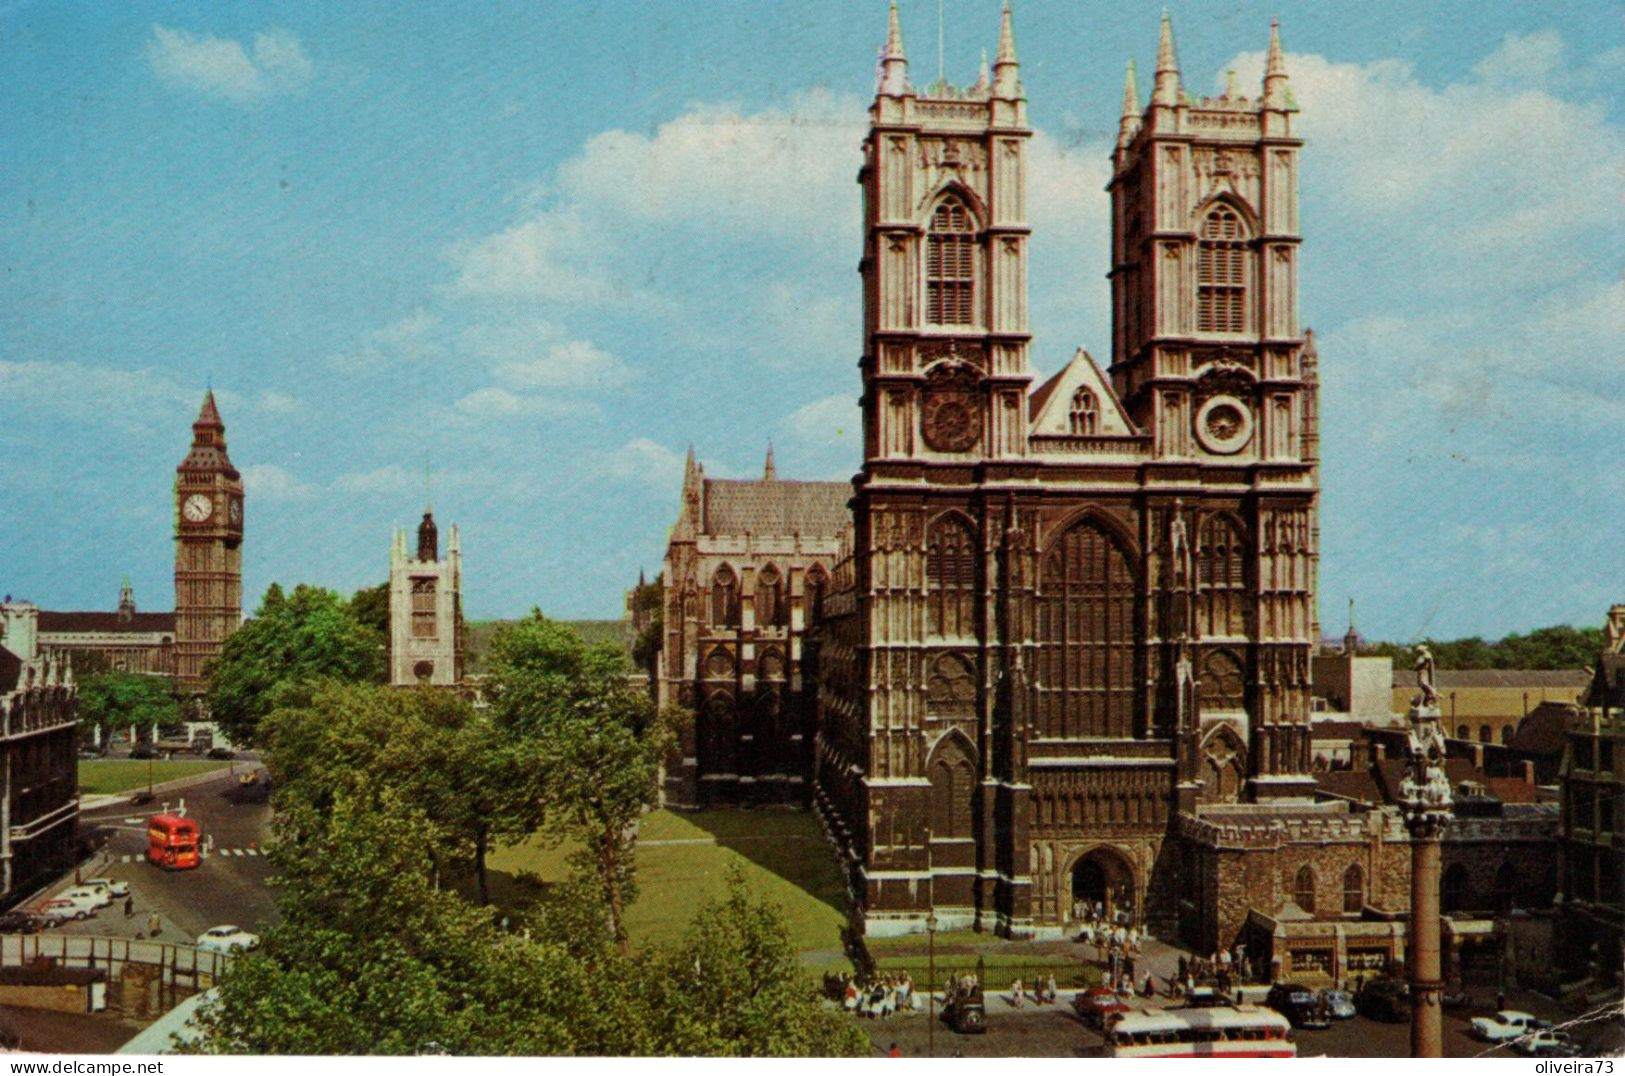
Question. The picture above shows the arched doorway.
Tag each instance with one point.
(1102, 884)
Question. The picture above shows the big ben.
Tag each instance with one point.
(208, 550)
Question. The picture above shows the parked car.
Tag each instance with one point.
(222, 752)
(966, 1013)
(144, 750)
(227, 939)
(1298, 1004)
(1096, 1005)
(54, 911)
(1384, 999)
(1550, 1043)
(114, 887)
(1506, 1024)
(20, 923)
(94, 895)
(1339, 1006)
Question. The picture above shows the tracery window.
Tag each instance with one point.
(1353, 889)
(1222, 263)
(953, 782)
(1221, 578)
(950, 265)
(1223, 685)
(771, 608)
(950, 575)
(1085, 674)
(817, 583)
(724, 598)
(1303, 889)
(423, 608)
(1085, 413)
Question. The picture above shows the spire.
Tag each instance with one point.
(1166, 89)
(428, 540)
(893, 64)
(769, 472)
(209, 414)
(1129, 125)
(1006, 81)
(1351, 641)
(691, 471)
(983, 83)
(1276, 94)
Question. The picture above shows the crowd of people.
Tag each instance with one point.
(879, 997)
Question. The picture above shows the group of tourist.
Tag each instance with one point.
(1043, 992)
(880, 997)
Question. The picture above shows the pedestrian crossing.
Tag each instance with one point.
(222, 852)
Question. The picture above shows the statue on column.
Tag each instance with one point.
(1424, 677)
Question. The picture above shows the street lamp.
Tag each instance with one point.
(931, 982)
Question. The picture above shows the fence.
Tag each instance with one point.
(150, 976)
(996, 977)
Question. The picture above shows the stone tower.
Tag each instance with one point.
(1209, 361)
(208, 550)
(426, 608)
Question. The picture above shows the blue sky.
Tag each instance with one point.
(547, 246)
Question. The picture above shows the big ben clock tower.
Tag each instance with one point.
(208, 550)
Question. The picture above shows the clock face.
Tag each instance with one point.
(198, 507)
(236, 510)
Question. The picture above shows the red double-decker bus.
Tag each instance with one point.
(172, 842)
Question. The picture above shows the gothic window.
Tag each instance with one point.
(1461, 732)
(1223, 686)
(771, 608)
(1453, 890)
(1085, 413)
(953, 781)
(1484, 734)
(1221, 273)
(770, 666)
(1353, 889)
(1221, 578)
(1085, 674)
(1506, 734)
(724, 599)
(423, 608)
(950, 571)
(719, 740)
(1303, 889)
(950, 265)
(817, 582)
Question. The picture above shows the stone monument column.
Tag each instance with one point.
(1424, 797)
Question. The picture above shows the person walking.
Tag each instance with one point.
(895, 1051)
(129, 907)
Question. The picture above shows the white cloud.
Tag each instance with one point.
(494, 402)
(273, 483)
(276, 63)
(531, 354)
(646, 462)
(99, 395)
(271, 402)
(389, 480)
(834, 422)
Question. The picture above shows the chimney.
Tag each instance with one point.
(1360, 754)
(1527, 771)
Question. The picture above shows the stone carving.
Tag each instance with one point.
(1424, 677)
(952, 350)
(952, 415)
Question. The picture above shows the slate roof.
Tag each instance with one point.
(771, 506)
(139, 623)
(1446, 679)
(1350, 784)
(1542, 732)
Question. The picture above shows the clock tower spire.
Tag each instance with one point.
(208, 549)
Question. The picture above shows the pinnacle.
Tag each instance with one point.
(894, 35)
(1274, 64)
(1166, 59)
(208, 414)
(1131, 95)
(1007, 39)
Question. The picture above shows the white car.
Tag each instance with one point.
(1549, 1044)
(90, 896)
(114, 888)
(1506, 1025)
(227, 939)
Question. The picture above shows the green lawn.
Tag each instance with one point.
(783, 853)
(107, 775)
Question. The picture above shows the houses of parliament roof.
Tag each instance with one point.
(776, 506)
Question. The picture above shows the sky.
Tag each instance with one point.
(517, 257)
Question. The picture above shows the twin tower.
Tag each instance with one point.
(1069, 614)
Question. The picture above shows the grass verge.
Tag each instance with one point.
(104, 776)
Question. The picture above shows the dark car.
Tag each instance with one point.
(965, 1012)
(222, 752)
(144, 750)
(1097, 1005)
(19, 923)
(1299, 1004)
(1384, 999)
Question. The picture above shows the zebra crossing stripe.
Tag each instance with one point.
(125, 859)
(252, 852)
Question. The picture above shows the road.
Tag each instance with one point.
(229, 886)
(1054, 1031)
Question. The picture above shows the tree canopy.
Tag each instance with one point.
(117, 700)
(1558, 647)
(291, 642)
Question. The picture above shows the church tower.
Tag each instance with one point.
(426, 608)
(208, 550)
(1209, 361)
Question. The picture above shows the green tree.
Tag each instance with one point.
(292, 641)
(114, 701)
(734, 987)
(600, 739)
